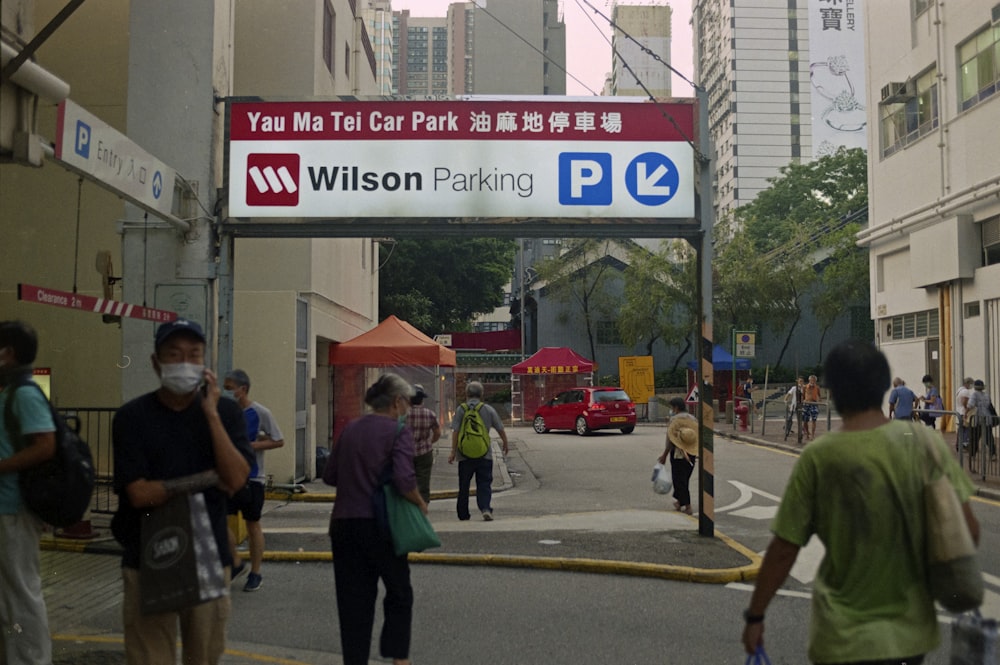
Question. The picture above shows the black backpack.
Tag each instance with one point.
(58, 490)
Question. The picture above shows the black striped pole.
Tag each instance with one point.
(705, 379)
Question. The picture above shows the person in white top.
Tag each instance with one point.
(961, 405)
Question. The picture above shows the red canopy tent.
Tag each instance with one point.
(548, 372)
(392, 346)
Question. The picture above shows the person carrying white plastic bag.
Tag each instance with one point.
(682, 451)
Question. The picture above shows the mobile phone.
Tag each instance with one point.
(203, 387)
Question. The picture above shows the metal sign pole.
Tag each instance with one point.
(706, 415)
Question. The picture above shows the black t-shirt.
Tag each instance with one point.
(155, 442)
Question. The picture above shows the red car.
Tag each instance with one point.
(587, 409)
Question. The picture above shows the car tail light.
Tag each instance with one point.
(598, 406)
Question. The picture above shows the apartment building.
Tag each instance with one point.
(934, 178)
(785, 83)
(649, 27)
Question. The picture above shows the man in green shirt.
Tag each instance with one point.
(860, 491)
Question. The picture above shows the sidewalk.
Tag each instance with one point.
(82, 579)
(83, 590)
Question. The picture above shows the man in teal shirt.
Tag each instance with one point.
(860, 491)
(24, 626)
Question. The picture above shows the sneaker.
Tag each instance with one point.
(253, 582)
(488, 516)
(238, 570)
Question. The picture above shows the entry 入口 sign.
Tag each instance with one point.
(462, 158)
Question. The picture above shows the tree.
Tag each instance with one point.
(580, 277)
(773, 250)
(440, 285)
(844, 278)
(660, 298)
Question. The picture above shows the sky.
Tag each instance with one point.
(588, 53)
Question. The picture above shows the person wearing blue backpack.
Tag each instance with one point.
(470, 445)
(24, 625)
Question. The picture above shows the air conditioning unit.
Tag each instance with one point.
(896, 92)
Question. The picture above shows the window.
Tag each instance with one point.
(912, 326)
(991, 241)
(903, 122)
(980, 66)
(347, 60)
(971, 310)
(607, 333)
(920, 6)
(329, 27)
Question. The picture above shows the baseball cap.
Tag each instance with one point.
(419, 393)
(178, 325)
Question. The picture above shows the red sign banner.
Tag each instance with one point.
(44, 296)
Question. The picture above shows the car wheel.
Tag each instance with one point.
(628, 430)
(539, 425)
(581, 426)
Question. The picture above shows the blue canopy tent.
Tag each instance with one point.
(722, 359)
(722, 379)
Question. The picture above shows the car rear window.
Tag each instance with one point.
(611, 396)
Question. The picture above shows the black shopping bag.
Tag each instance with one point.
(180, 564)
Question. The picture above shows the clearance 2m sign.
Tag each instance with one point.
(461, 158)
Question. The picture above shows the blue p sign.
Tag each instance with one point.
(585, 178)
(82, 147)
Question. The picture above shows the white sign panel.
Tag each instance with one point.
(88, 145)
(837, 75)
(460, 159)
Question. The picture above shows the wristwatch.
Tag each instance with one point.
(752, 618)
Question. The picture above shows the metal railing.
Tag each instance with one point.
(797, 419)
(979, 444)
(95, 429)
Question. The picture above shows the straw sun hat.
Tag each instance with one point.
(683, 433)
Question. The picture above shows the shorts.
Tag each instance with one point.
(249, 501)
(810, 412)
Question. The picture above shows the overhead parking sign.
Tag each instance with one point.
(460, 158)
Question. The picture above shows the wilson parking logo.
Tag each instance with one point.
(273, 179)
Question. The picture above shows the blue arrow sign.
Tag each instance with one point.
(652, 179)
(157, 184)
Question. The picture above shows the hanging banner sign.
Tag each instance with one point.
(461, 158)
(44, 296)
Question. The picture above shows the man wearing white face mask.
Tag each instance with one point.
(174, 440)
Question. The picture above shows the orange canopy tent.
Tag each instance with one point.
(392, 346)
(392, 343)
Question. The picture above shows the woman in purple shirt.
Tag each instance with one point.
(361, 553)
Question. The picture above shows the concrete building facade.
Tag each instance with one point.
(934, 180)
(650, 26)
(293, 297)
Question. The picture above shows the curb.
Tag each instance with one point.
(582, 565)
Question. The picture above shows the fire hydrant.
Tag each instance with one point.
(742, 411)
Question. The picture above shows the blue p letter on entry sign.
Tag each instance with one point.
(82, 146)
(585, 178)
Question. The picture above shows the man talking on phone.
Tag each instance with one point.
(180, 438)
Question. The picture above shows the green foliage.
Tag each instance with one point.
(671, 379)
(440, 285)
(795, 235)
(660, 296)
